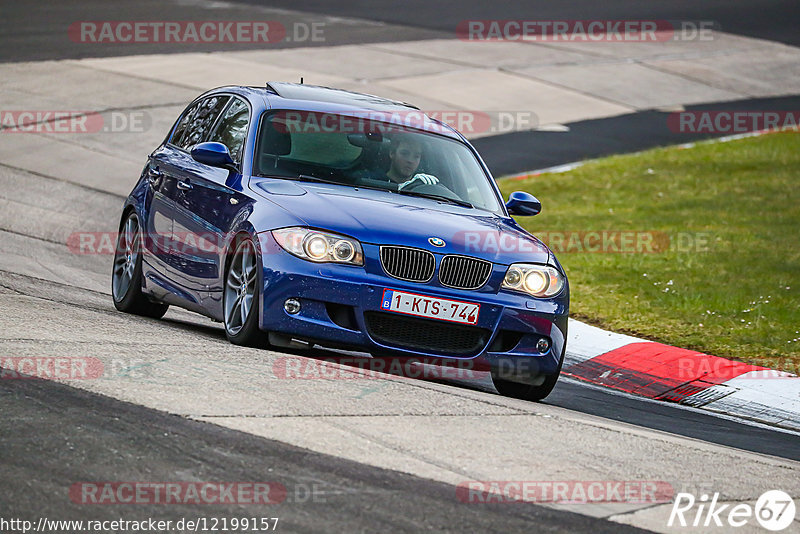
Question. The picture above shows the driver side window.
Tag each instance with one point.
(232, 128)
(196, 122)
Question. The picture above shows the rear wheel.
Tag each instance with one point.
(126, 278)
(241, 297)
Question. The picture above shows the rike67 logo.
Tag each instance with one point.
(775, 510)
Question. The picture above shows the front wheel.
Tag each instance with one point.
(126, 278)
(529, 392)
(241, 297)
(525, 391)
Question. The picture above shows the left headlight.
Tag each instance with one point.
(536, 280)
(319, 246)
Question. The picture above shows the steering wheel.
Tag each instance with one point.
(435, 189)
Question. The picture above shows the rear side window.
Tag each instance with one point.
(232, 128)
(197, 121)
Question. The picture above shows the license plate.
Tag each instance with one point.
(435, 308)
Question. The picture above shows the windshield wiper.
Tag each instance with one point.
(431, 196)
(441, 198)
(300, 178)
(309, 178)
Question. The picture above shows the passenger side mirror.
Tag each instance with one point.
(213, 154)
(522, 203)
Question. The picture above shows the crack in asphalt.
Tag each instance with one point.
(400, 450)
(62, 180)
(93, 342)
(47, 281)
(387, 445)
(158, 81)
(379, 415)
(66, 210)
(96, 112)
(71, 304)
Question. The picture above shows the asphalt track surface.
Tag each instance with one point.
(123, 441)
(31, 31)
(52, 433)
(511, 154)
(774, 20)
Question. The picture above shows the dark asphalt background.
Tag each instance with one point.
(519, 152)
(32, 31)
(52, 435)
(774, 20)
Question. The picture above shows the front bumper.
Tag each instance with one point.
(339, 303)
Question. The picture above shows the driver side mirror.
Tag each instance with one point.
(213, 154)
(522, 203)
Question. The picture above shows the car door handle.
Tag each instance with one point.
(184, 185)
(154, 176)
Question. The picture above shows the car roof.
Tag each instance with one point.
(306, 97)
(318, 93)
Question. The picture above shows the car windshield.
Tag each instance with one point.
(357, 152)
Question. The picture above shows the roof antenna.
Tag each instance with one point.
(301, 80)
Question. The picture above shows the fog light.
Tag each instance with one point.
(543, 345)
(291, 306)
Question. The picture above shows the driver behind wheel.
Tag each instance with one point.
(405, 155)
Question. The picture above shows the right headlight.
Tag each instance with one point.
(536, 280)
(319, 246)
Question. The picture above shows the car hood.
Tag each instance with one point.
(386, 218)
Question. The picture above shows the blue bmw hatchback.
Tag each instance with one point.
(300, 213)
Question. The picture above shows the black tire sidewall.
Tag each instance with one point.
(134, 300)
(527, 391)
(250, 334)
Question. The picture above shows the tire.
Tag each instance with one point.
(241, 296)
(527, 391)
(126, 274)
